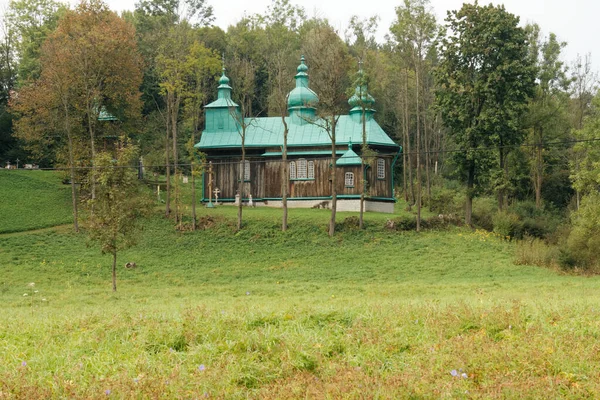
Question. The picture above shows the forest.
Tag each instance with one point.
(498, 131)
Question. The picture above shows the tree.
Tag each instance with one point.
(330, 62)
(30, 22)
(484, 80)
(173, 74)
(546, 115)
(415, 30)
(243, 75)
(202, 65)
(100, 53)
(119, 203)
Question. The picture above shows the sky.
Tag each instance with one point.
(574, 21)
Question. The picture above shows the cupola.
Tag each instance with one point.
(302, 100)
(361, 98)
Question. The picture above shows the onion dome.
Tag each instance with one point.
(302, 96)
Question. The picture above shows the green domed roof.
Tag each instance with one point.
(302, 95)
(224, 80)
(361, 95)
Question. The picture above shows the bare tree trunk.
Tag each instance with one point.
(168, 165)
(192, 172)
(114, 271)
(426, 133)
(404, 164)
(174, 114)
(470, 186)
(407, 133)
(333, 180)
(72, 171)
(418, 143)
(286, 178)
(362, 169)
(501, 191)
(241, 181)
(93, 150)
(539, 171)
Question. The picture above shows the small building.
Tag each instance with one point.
(309, 151)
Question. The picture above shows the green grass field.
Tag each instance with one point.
(265, 314)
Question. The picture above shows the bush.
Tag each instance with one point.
(484, 209)
(584, 240)
(445, 201)
(507, 225)
(533, 251)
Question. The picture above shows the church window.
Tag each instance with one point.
(311, 170)
(302, 169)
(292, 170)
(349, 179)
(380, 168)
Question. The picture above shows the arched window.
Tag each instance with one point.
(302, 167)
(311, 170)
(380, 168)
(246, 167)
(349, 179)
(292, 170)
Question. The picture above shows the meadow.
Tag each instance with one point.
(264, 314)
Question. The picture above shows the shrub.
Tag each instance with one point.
(534, 251)
(584, 240)
(484, 209)
(445, 201)
(507, 225)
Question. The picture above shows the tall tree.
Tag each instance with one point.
(243, 75)
(415, 29)
(30, 22)
(546, 116)
(202, 65)
(102, 56)
(484, 81)
(330, 62)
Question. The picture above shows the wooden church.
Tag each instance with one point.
(310, 165)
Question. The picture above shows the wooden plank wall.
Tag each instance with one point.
(265, 179)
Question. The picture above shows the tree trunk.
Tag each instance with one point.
(408, 147)
(501, 189)
(362, 169)
(175, 99)
(426, 133)
(418, 143)
(168, 165)
(333, 180)
(72, 171)
(241, 181)
(470, 186)
(93, 150)
(404, 163)
(114, 271)
(192, 172)
(286, 178)
(539, 171)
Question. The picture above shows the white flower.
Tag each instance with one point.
(35, 291)
(31, 284)
(25, 295)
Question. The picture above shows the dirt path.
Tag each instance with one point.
(60, 228)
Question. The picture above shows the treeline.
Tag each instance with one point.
(495, 126)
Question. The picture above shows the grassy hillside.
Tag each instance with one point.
(265, 314)
(33, 200)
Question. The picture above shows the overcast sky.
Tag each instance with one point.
(575, 21)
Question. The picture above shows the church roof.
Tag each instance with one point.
(268, 132)
(349, 158)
